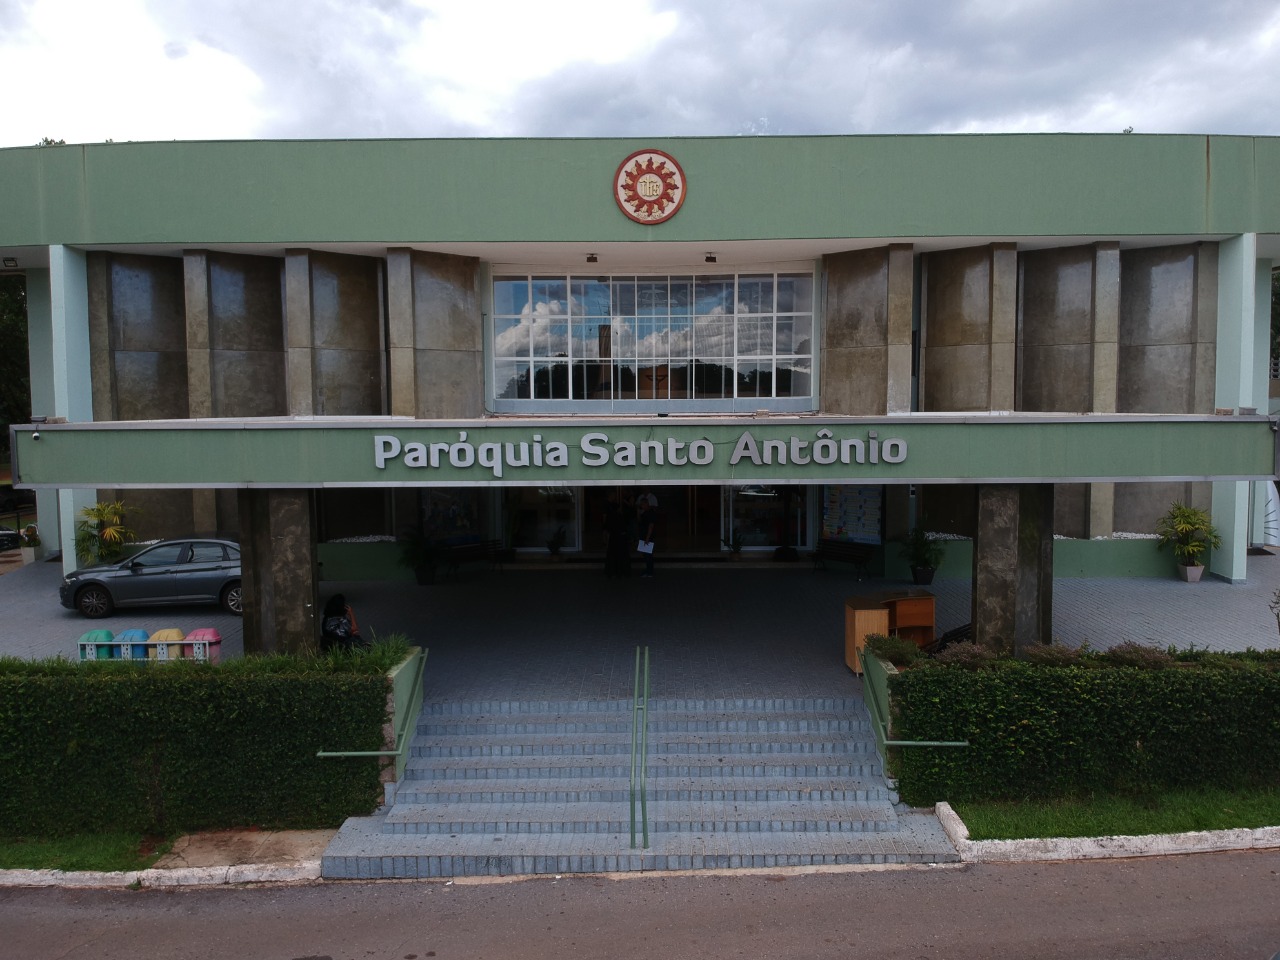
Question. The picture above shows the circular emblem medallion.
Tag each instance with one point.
(649, 186)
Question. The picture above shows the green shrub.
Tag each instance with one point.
(1040, 731)
(153, 748)
(895, 649)
(1131, 654)
(1052, 655)
(965, 656)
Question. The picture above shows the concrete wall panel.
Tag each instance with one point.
(957, 378)
(854, 381)
(151, 386)
(1056, 378)
(857, 299)
(958, 297)
(1155, 379)
(348, 383)
(450, 385)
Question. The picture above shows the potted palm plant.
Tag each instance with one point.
(923, 555)
(101, 533)
(419, 553)
(1189, 532)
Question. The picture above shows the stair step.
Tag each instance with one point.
(607, 789)
(683, 721)
(729, 744)
(525, 708)
(505, 788)
(361, 850)
(664, 817)
(572, 767)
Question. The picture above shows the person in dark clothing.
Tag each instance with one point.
(338, 627)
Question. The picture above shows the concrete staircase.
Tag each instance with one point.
(543, 788)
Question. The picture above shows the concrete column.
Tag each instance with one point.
(901, 306)
(400, 325)
(65, 358)
(195, 273)
(1013, 567)
(1237, 375)
(278, 559)
(298, 342)
(1106, 359)
(448, 337)
(1003, 358)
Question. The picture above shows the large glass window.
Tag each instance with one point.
(715, 342)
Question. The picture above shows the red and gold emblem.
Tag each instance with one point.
(649, 186)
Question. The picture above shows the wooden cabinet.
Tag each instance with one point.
(909, 614)
(863, 616)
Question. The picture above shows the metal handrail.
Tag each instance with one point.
(640, 739)
(880, 711)
(405, 722)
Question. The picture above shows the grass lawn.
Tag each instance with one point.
(106, 851)
(1102, 816)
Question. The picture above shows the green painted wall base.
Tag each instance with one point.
(1071, 558)
(379, 561)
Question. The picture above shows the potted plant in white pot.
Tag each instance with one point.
(1189, 532)
(30, 540)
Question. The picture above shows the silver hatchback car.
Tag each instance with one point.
(170, 572)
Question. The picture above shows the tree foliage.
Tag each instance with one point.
(15, 377)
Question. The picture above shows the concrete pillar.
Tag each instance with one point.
(901, 307)
(437, 325)
(866, 332)
(195, 275)
(298, 336)
(1003, 358)
(1106, 360)
(1239, 369)
(1013, 567)
(278, 559)
(969, 330)
(400, 326)
(63, 359)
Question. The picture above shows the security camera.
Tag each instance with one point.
(35, 436)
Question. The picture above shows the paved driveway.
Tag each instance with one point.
(736, 626)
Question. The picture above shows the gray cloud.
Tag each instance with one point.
(828, 66)
(352, 68)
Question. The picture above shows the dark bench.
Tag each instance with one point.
(454, 555)
(859, 555)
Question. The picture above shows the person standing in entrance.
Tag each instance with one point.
(647, 507)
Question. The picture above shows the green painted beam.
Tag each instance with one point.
(739, 188)
(313, 453)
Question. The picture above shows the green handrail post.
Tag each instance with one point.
(640, 740)
(875, 688)
(408, 705)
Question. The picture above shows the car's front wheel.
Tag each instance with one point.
(95, 602)
(232, 598)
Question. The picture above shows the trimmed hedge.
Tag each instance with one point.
(186, 746)
(1039, 732)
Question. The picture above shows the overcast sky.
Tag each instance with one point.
(92, 70)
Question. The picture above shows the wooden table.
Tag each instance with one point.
(908, 613)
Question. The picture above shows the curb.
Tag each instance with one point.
(299, 871)
(1100, 848)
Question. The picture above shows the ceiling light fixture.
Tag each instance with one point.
(10, 261)
(710, 258)
(592, 258)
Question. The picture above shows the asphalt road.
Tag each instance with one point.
(1174, 908)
